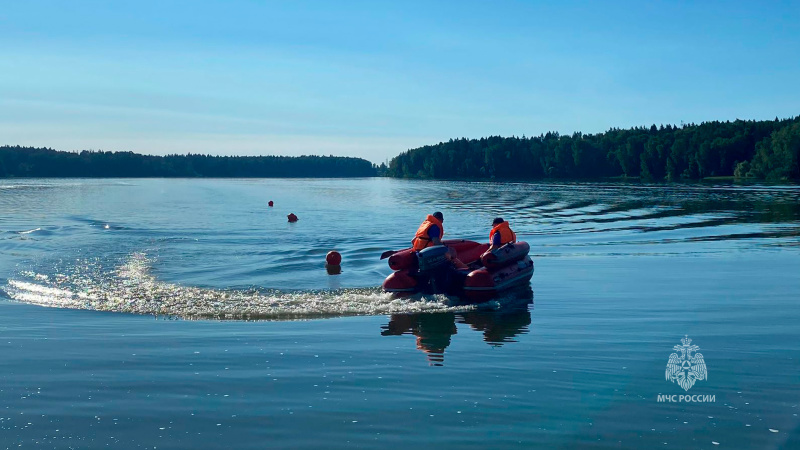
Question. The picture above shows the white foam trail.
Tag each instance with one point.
(132, 289)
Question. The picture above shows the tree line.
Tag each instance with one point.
(767, 149)
(45, 162)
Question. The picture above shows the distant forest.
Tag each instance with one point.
(44, 162)
(742, 149)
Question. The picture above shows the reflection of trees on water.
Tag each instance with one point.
(434, 331)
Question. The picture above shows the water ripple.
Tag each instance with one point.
(131, 288)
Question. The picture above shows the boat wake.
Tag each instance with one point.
(132, 288)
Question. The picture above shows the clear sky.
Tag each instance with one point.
(373, 79)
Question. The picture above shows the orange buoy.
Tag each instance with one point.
(333, 258)
(271, 204)
(292, 217)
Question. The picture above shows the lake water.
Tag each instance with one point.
(97, 278)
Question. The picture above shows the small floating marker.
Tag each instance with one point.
(332, 263)
(292, 217)
(333, 258)
(271, 204)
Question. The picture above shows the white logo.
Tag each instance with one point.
(686, 369)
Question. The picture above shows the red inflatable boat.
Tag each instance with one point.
(429, 271)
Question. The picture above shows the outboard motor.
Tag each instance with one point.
(433, 268)
(432, 258)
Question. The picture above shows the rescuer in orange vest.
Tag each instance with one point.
(501, 234)
(430, 232)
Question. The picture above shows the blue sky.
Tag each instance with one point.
(373, 79)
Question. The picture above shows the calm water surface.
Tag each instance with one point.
(97, 277)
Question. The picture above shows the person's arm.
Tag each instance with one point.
(496, 242)
(434, 233)
(457, 263)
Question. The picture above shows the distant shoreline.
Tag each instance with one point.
(711, 151)
(102, 177)
(620, 180)
(765, 150)
(32, 162)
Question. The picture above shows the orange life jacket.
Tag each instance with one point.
(506, 235)
(421, 239)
